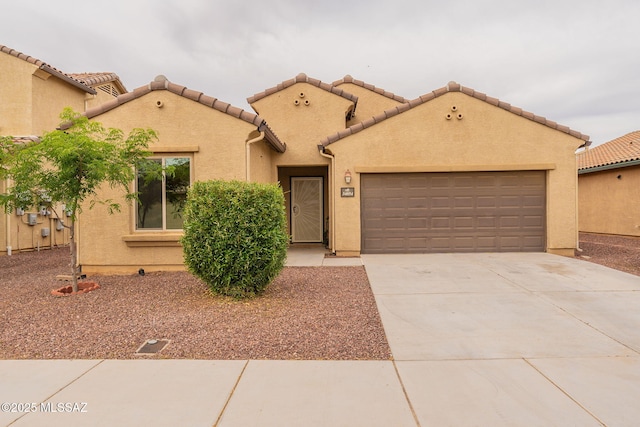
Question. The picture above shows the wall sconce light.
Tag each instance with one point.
(347, 177)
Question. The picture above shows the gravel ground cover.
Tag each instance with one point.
(306, 313)
(619, 252)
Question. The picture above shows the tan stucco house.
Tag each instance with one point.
(609, 187)
(203, 138)
(363, 170)
(32, 96)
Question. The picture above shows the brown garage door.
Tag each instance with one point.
(453, 212)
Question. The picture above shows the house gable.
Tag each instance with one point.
(452, 87)
(43, 69)
(303, 111)
(34, 93)
(161, 83)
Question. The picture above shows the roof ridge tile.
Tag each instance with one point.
(349, 79)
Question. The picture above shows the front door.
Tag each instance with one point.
(306, 209)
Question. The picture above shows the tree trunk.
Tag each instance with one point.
(74, 256)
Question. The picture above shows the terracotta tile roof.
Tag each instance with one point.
(610, 155)
(372, 88)
(451, 87)
(97, 79)
(161, 83)
(303, 78)
(48, 68)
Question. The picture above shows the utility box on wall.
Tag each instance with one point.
(45, 232)
(32, 218)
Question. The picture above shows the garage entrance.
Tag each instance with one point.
(453, 212)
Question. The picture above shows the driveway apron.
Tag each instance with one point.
(511, 339)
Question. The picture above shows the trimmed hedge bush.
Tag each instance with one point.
(235, 237)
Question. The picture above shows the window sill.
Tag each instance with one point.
(152, 240)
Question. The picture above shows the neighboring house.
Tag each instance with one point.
(107, 86)
(32, 96)
(609, 187)
(451, 171)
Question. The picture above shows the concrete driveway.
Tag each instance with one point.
(511, 339)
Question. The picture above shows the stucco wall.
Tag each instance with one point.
(301, 126)
(260, 162)
(487, 138)
(609, 202)
(15, 96)
(30, 104)
(216, 142)
(50, 97)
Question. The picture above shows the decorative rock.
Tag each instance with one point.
(83, 288)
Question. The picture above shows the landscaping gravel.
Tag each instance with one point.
(619, 252)
(306, 313)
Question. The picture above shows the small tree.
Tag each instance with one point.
(66, 168)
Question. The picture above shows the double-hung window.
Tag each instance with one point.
(162, 185)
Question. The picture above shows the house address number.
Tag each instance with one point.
(347, 192)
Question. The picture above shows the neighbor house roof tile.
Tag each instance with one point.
(48, 68)
(618, 152)
(349, 79)
(161, 83)
(455, 87)
(97, 79)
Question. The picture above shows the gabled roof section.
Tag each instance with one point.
(450, 87)
(98, 79)
(303, 78)
(372, 88)
(617, 153)
(48, 68)
(161, 83)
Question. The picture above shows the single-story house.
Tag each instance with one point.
(609, 187)
(32, 96)
(363, 170)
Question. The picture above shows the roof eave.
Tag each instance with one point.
(271, 138)
(65, 78)
(610, 166)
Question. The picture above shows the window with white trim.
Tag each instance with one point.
(162, 185)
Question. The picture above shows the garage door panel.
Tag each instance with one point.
(464, 223)
(536, 222)
(453, 212)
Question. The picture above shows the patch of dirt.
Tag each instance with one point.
(619, 252)
(306, 313)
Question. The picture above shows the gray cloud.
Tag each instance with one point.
(572, 61)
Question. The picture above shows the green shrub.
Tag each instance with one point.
(235, 237)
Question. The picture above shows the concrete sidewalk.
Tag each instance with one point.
(317, 257)
(482, 339)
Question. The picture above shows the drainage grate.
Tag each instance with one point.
(152, 346)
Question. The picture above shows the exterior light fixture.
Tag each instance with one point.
(347, 177)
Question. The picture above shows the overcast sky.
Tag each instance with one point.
(576, 62)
